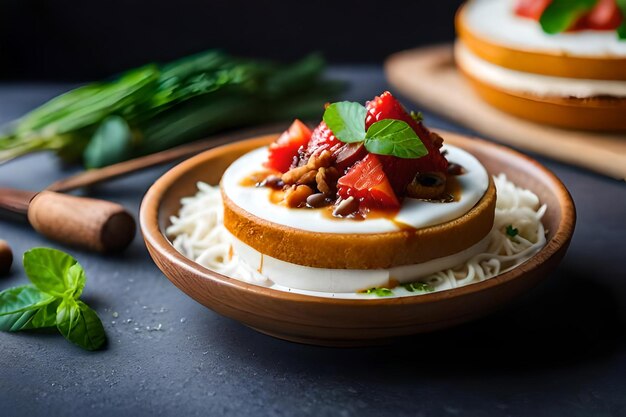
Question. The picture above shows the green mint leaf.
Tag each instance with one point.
(418, 287)
(80, 324)
(395, 138)
(511, 231)
(49, 270)
(19, 306)
(621, 30)
(560, 15)
(346, 119)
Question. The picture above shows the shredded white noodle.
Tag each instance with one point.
(199, 234)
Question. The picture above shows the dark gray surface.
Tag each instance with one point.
(559, 351)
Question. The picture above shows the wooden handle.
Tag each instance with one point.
(86, 222)
(14, 203)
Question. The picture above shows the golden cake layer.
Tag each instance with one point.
(407, 246)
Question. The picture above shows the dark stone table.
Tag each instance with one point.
(560, 350)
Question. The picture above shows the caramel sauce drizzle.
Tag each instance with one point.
(452, 193)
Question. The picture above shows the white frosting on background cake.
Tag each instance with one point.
(525, 82)
(496, 21)
(414, 213)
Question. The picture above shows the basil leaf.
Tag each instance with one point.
(19, 299)
(621, 30)
(45, 316)
(20, 305)
(395, 138)
(80, 324)
(17, 321)
(560, 15)
(346, 119)
(111, 143)
(75, 279)
(49, 270)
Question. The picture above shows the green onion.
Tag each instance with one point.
(156, 107)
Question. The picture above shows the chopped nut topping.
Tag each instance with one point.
(296, 195)
(316, 161)
(326, 180)
(346, 207)
(308, 178)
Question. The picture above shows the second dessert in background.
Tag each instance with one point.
(550, 61)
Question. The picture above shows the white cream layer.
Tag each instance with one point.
(344, 280)
(496, 21)
(415, 213)
(541, 85)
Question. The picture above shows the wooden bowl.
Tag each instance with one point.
(349, 322)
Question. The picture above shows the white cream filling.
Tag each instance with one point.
(496, 21)
(414, 213)
(540, 85)
(343, 280)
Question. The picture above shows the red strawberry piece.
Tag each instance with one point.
(285, 149)
(366, 181)
(322, 139)
(532, 9)
(604, 16)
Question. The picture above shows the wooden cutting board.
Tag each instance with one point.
(429, 76)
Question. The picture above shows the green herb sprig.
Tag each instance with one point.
(379, 291)
(511, 231)
(410, 287)
(156, 107)
(52, 300)
(418, 287)
(392, 137)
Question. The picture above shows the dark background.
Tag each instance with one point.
(75, 40)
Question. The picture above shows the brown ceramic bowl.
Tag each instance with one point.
(349, 322)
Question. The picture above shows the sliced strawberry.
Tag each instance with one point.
(604, 16)
(322, 139)
(366, 181)
(285, 149)
(402, 171)
(532, 9)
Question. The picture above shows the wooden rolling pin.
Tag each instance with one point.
(89, 223)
